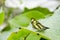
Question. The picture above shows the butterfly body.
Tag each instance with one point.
(38, 25)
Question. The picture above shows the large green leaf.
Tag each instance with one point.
(27, 14)
(24, 34)
(19, 35)
(24, 19)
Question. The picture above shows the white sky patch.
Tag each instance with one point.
(12, 3)
(51, 5)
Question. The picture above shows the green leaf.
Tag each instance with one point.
(24, 34)
(19, 35)
(24, 19)
(45, 11)
(2, 16)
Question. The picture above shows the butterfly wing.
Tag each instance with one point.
(38, 25)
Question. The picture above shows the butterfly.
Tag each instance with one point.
(37, 25)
